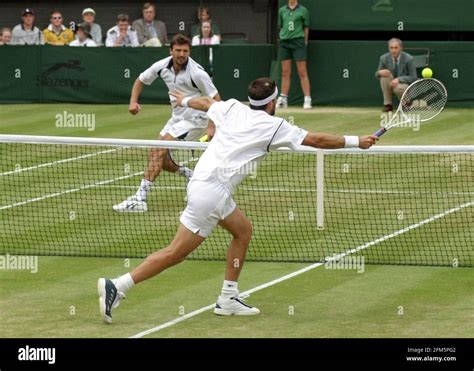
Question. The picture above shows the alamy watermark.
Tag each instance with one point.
(75, 120)
(339, 261)
(19, 262)
(408, 120)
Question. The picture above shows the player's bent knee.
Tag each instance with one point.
(174, 255)
(246, 234)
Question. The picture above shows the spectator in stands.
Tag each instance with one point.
(396, 72)
(203, 15)
(26, 33)
(88, 16)
(150, 31)
(56, 33)
(293, 22)
(206, 37)
(83, 34)
(122, 34)
(5, 36)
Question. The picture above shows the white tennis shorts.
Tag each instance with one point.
(208, 202)
(186, 129)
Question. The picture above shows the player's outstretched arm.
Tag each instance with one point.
(137, 89)
(200, 103)
(330, 141)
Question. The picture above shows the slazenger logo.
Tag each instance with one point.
(382, 6)
(45, 78)
(37, 354)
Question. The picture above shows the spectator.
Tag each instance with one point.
(121, 34)
(206, 37)
(150, 31)
(56, 33)
(293, 22)
(83, 34)
(88, 16)
(5, 36)
(396, 72)
(203, 15)
(26, 33)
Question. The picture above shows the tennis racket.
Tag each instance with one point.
(422, 101)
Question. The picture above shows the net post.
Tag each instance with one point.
(320, 189)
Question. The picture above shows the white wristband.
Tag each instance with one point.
(352, 141)
(185, 101)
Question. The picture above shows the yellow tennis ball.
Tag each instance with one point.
(427, 73)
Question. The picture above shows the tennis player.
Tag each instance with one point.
(179, 72)
(243, 135)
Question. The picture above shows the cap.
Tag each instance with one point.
(85, 28)
(28, 11)
(88, 10)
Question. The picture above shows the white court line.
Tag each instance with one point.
(47, 164)
(356, 191)
(306, 269)
(51, 195)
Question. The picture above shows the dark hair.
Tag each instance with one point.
(55, 11)
(148, 5)
(200, 29)
(180, 39)
(203, 9)
(123, 18)
(260, 89)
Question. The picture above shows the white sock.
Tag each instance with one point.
(124, 282)
(143, 190)
(307, 97)
(186, 172)
(283, 96)
(229, 289)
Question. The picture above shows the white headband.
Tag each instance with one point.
(265, 101)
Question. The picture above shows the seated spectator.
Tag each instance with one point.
(150, 31)
(56, 33)
(396, 72)
(88, 16)
(83, 34)
(5, 36)
(26, 33)
(203, 15)
(122, 34)
(206, 37)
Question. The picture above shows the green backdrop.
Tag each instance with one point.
(385, 15)
(341, 72)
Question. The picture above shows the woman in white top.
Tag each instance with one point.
(206, 37)
(83, 36)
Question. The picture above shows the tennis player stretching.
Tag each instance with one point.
(243, 135)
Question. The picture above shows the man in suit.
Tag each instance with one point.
(150, 31)
(396, 72)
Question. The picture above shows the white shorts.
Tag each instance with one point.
(208, 203)
(186, 130)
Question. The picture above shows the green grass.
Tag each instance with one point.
(327, 303)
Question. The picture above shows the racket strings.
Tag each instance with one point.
(423, 100)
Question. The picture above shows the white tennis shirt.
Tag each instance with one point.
(192, 80)
(243, 137)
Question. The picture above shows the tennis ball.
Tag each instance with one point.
(427, 73)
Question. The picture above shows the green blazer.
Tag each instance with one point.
(406, 67)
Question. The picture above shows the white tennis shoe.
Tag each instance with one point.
(234, 306)
(307, 103)
(131, 205)
(109, 298)
(282, 102)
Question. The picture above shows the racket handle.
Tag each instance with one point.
(380, 132)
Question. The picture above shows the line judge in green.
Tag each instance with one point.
(293, 23)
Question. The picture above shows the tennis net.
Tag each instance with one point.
(392, 205)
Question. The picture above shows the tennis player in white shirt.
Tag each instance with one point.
(243, 135)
